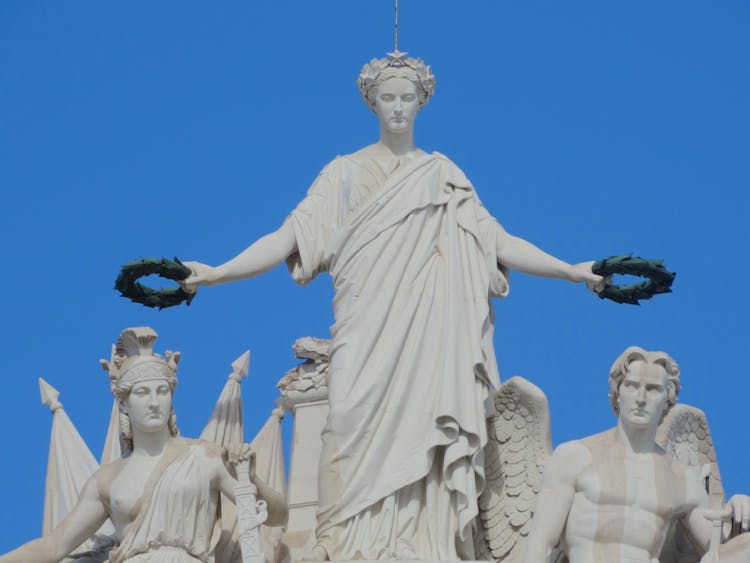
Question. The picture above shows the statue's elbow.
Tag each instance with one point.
(277, 518)
(278, 512)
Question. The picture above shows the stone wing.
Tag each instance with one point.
(518, 447)
(684, 433)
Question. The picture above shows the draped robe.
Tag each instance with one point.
(177, 512)
(413, 258)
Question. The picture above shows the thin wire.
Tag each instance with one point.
(395, 28)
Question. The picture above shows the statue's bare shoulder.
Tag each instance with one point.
(599, 441)
(109, 471)
(568, 461)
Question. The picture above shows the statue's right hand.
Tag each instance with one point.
(201, 274)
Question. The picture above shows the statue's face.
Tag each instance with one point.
(643, 395)
(397, 104)
(148, 405)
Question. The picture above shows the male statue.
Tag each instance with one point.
(614, 496)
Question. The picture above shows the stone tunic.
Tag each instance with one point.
(413, 257)
(177, 514)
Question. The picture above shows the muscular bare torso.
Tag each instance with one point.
(624, 502)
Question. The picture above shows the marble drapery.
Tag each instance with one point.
(413, 257)
(177, 512)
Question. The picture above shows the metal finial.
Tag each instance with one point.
(396, 56)
(395, 28)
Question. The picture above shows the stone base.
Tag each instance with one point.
(399, 561)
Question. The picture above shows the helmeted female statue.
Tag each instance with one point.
(162, 495)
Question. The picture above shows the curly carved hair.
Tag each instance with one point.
(377, 71)
(621, 368)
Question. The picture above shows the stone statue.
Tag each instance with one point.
(616, 496)
(162, 495)
(414, 258)
(520, 443)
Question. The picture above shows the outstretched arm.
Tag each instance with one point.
(264, 254)
(554, 500)
(85, 519)
(518, 254)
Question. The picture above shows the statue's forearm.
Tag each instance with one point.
(277, 507)
(39, 551)
(520, 255)
(264, 254)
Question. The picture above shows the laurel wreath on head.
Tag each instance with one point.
(659, 278)
(128, 285)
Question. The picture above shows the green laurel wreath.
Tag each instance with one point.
(128, 285)
(659, 278)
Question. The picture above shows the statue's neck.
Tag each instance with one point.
(398, 144)
(637, 440)
(150, 444)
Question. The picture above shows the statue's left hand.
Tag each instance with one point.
(582, 273)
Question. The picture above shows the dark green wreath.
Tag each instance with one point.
(659, 278)
(129, 287)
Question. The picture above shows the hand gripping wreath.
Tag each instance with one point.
(128, 285)
(659, 278)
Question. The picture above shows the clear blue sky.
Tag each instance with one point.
(192, 128)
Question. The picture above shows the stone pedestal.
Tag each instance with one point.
(399, 561)
(310, 410)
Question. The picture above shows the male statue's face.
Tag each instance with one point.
(397, 104)
(643, 395)
(148, 405)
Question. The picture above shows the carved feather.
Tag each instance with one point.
(136, 341)
(518, 447)
(684, 433)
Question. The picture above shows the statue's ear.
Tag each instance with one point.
(121, 405)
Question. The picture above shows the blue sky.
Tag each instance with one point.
(190, 129)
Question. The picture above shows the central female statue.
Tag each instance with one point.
(414, 258)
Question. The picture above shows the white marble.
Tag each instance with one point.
(615, 496)
(162, 495)
(414, 258)
(304, 393)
